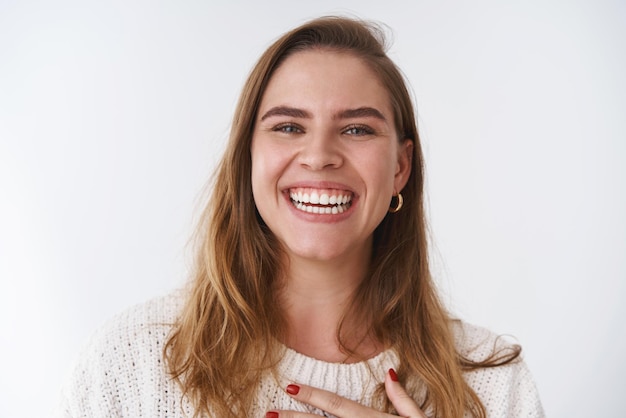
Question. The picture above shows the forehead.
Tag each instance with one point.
(326, 77)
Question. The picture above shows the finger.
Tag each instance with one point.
(329, 402)
(404, 404)
(289, 414)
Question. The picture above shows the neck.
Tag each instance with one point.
(315, 297)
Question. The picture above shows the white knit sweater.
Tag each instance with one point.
(121, 373)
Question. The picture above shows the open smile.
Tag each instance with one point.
(321, 201)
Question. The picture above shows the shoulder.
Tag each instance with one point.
(507, 390)
(136, 328)
(477, 343)
(120, 370)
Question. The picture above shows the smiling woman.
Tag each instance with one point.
(311, 293)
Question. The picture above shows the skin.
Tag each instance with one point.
(325, 126)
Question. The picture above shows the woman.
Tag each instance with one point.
(312, 293)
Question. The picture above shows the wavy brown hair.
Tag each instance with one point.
(225, 339)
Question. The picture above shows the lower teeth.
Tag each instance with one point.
(327, 210)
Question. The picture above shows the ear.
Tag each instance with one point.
(403, 170)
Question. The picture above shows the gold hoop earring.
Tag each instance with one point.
(399, 205)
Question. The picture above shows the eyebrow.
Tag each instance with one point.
(293, 112)
(361, 112)
(286, 111)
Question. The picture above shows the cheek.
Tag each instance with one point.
(266, 168)
(381, 167)
(258, 170)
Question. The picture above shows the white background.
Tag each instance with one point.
(113, 113)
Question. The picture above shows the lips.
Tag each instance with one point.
(321, 201)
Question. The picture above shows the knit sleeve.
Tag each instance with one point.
(505, 391)
(91, 389)
(121, 371)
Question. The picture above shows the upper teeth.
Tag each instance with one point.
(321, 197)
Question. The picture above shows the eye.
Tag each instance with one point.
(288, 128)
(358, 130)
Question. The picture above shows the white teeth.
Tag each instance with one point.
(328, 210)
(320, 199)
(320, 203)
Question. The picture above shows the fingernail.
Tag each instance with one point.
(393, 375)
(271, 414)
(292, 390)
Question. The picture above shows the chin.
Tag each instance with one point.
(321, 253)
(316, 256)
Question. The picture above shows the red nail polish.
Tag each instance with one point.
(393, 375)
(271, 414)
(293, 389)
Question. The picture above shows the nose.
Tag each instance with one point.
(321, 151)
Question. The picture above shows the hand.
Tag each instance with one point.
(345, 408)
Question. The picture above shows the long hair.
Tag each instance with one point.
(225, 339)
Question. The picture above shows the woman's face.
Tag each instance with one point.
(326, 159)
